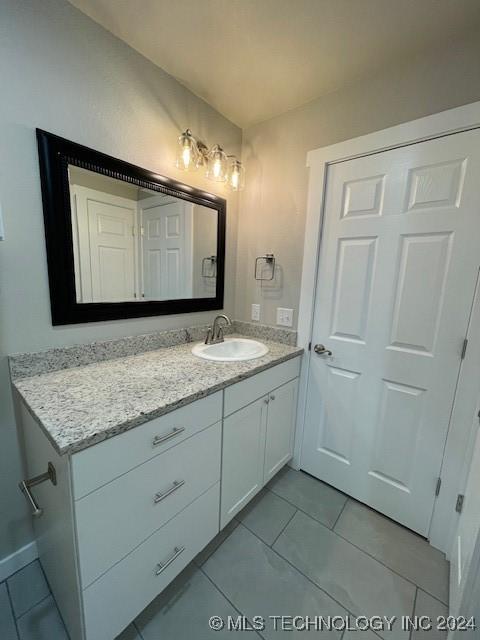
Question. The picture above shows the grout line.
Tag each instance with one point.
(413, 612)
(409, 580)
(283, 529)
(302, 574)
(445, 604)
(340, 515)
(360, 548)
(300, 509)
(215, 585)
(11, 609)
(218, 545)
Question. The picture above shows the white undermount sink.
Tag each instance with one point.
(231, 350)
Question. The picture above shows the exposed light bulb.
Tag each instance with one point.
(217, 168)
(217, 164)
(236, 175)
(187, 151)
(186, 157)
(234, 178)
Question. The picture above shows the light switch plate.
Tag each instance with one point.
(284, 317)
(255, 312)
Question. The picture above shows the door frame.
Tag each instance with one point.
(448, 122)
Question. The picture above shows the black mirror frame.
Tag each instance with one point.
(55, 154)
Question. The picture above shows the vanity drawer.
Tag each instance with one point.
(117, 517)
(242, 393)
(114, 600)
(97, 465)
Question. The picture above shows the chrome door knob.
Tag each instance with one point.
(321, 350)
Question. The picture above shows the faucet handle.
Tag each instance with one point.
(209, 336)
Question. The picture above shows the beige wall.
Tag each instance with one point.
(62, 72)
(272, 207)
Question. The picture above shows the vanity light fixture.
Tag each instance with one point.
(187, 153)
(193, 154)
(217, 164)
(236, 174)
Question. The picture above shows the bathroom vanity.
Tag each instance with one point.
(153, 454)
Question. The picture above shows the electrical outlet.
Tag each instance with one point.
(284, 317)
(255, 312)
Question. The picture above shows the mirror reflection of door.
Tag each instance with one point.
(166, 248)
(135, 244)
(105, 247)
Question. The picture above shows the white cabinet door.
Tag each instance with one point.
(280, 428)
(243, 457)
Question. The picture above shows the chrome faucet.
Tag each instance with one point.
(215, 332)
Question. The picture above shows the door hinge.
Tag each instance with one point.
(464, 348)
(459, 504)
(309, 346)
(437, 488)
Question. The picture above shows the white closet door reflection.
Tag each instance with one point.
(135, 244)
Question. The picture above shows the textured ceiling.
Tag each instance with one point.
(254, 59)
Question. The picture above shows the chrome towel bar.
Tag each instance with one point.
(25, 485)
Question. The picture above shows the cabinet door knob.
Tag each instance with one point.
(266, 400)
(272, 397)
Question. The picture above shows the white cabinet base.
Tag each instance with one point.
(164, 476)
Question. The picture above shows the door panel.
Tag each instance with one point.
(398, 263)
(353, 282)
(336, 432)
(424, 263)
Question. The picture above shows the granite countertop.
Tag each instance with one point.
(81, 406)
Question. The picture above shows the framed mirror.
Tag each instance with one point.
(124, 242)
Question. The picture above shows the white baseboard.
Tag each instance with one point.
(18, 560)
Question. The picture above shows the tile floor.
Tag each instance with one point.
(300, 548)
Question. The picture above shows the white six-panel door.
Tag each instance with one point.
(104, 228)
(167, 248)
(399, 258)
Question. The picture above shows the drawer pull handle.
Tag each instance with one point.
(171, 434)
(161, 566)
(161, 496)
